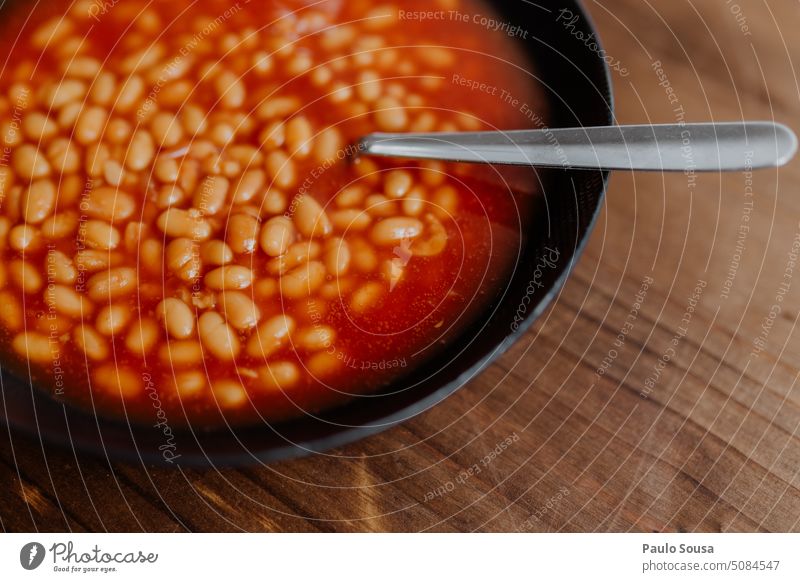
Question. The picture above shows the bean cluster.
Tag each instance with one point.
(154, 195)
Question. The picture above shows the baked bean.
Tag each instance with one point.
(29, 163)
(61, 224)
(362, 256)
(176, 222)
(166, 130)
(328, 144)
(51, 32)
(239, 310)
(280, 375)
(281, 169)
(230, 89)
(277, 107)
(13, 203)
(350, 197)
(170, 195)
(273, 135)
(35, 347)
(10, 311)
(92, 261)
(271, 336)
(437, 56)
(369, 86)
(262, 63)
(189, 384)
(118, 381)
(189, 175)
(142, 337)
(340, 92)
(321, 76)
(64, 92)
(166, 170)
(141, 151)
(181, 354)
(244, 154)
(435, 240)
(242, 233)
(425, 122)
(391, 231)
(303, 281)
(38, 201)
(380, 17)
(389, 115)
(397, 184)
(367, 170)
(218, 337)
(100, 235)
(67, 301)
(380, 206)
(38, 127)
(445, 202)
(81, 66)
(97, 156)
(112, 284)
(193, 119)
(61, 268)
(24, 238)
(229, 393)
(367, 297)
(414, 202)
(113, 173)
(177, 317)
(25, 276)
(310, 218)
(251, 183)
(90, 342)
(90, 125)
(113, 319)
(103, 88)
(297, 254)
(313, 339)
(182, 258)
(274, 202)
(276, 236)
(299, 136)
(222, 134)
(143, 59)
(109, 204)
(211, 195)
(432, 172)
(64, 156)
(322, 364)
(337, 257)
(216, 253)
(229, 277)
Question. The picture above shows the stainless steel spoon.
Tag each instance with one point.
(699, 147)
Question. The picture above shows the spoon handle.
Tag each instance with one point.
(699, 147)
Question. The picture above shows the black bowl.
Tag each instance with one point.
(578, 88)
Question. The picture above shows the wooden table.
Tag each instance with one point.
(631, 405)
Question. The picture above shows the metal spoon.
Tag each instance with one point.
(699, 147)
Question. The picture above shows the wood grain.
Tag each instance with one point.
(711, 446)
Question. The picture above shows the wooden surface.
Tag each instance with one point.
(712, 447)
